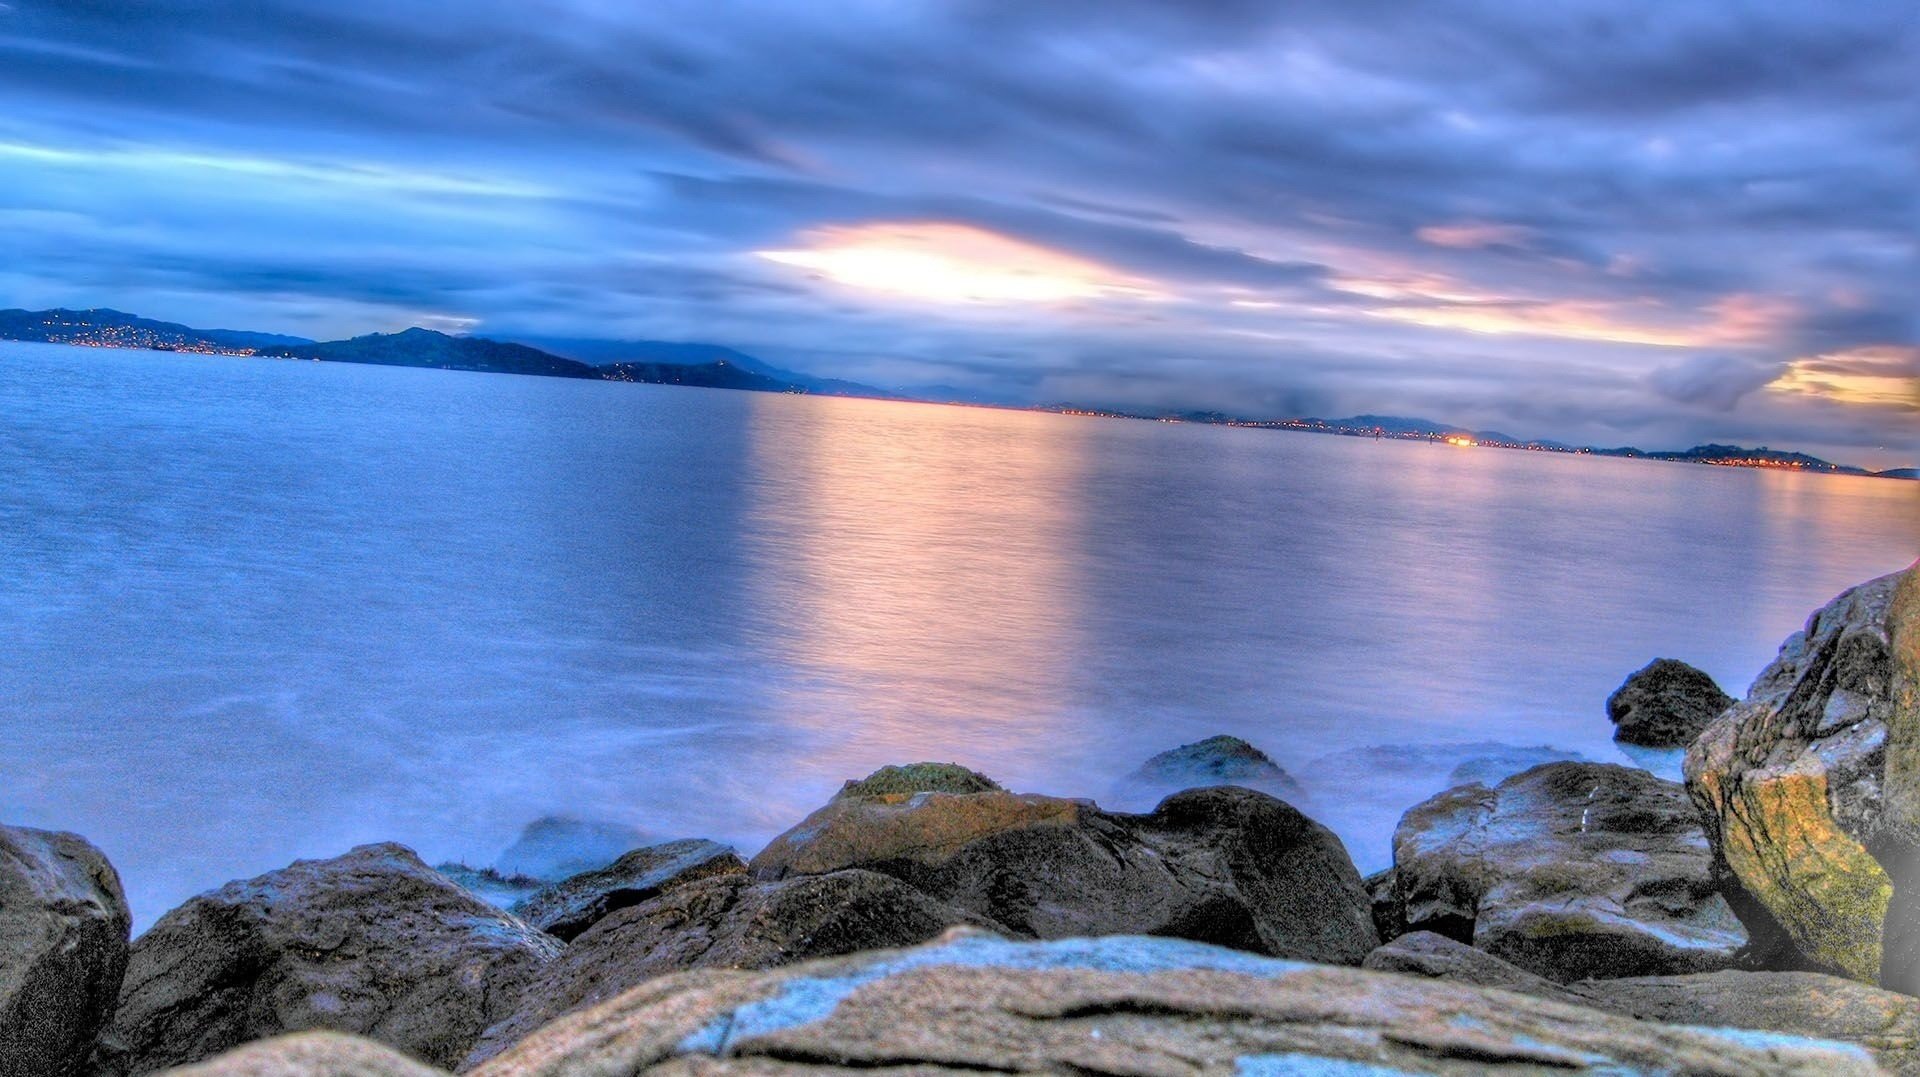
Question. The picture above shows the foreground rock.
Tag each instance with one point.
(1665, 704)
(1886, 1023)
(310, 1054)
(63, 949)
(1120, 1006)
(1225, 865)
(1792, 783)
(731, 923)
(571, 906)
(372, 942)
(1569, 870)
(1221, 760)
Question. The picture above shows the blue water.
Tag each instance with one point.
(254, 610)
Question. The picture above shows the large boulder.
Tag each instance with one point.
(63, 949)
(729, 923)
(1899, 847)
(569, 907)
(1665, 705)
(1793, 783)
(1886, 1023)
(1225, 865)
(1121, 1006)
(1220, 760)
(309, 1054)
(373, 942)
(918, 778)
(1568, 870)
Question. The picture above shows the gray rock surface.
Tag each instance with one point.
(373, 942)
(1569, 870)
(1120, 1006)
(1223, 865)
(63, 950)
(725, 922)
(1665, 704)
(570, 906)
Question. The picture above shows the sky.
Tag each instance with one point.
(1617, 222)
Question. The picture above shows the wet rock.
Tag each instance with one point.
(373, 942)
(1886, 1023)
(1569, 870)
(309, 1054)
(554, 847)
(569, 907)
(1791, 782)
(1396, 775)
(725, 922)
(1898, 849)
(1225, 865)
(1220, 760)
(1665, 705)
(1121, 1007)
(1437, 957)
(919, 778)
(63, 949)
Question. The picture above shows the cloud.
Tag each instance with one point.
(1468, 206)
(1713, 382)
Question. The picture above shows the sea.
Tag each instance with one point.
(256, 610)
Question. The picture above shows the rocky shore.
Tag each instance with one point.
(1763, 917)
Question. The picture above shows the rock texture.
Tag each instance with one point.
(567, 908)
(1666, 704)
(1220, 760)
(1121, 1006)
(1886, 1023)
(63, 949)
(372, 942)
(727, 922)
(1224, 865)
(1437, 957)
(1791, 784)
(310, 1054)
(1568, 870)
(1899, 847)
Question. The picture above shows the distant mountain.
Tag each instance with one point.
(715, 366)
(104, 328)
(661, 354)
(427, 348)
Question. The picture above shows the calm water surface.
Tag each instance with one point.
(257, 610)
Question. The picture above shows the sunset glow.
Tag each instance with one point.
(951, 263)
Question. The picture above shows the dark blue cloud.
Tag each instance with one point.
(1598, 217)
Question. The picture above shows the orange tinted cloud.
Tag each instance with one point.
(1883, 375)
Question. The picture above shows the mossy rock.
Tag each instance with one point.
(919, 778)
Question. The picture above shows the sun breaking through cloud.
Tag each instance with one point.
(951, 263)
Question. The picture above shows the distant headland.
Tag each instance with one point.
(717, 367)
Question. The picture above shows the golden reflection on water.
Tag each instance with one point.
(908, 555)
